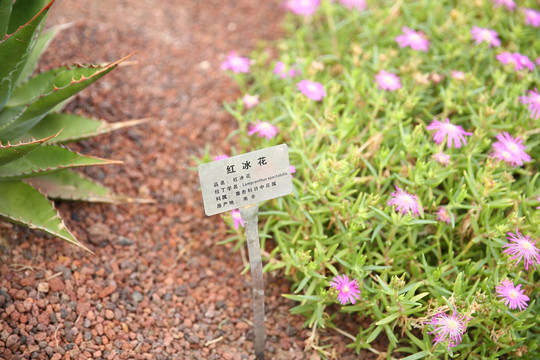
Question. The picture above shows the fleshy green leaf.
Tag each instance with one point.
(46, 159)
(23, 11)
(68, 185)
(15, 48)
(42, 43)
(65, 84)
(33, 88)
(22, 204)
(73, 127)
(10, 152)
(5, 12)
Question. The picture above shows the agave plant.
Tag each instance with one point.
(34, 164)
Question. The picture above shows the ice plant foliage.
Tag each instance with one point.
(414, 39)
(522, 247)
(405, 202)
(388, 81)
(448, 328)
(488, 36)
(235, 63)
(264, 129)
(532, 99)
(454, 134)
(313, 90)
(347, 289)
(512, 295)
(510, 149)
(237, 218)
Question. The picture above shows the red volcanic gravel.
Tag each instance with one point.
(158, 286)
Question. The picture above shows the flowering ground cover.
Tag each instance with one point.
(413, 129)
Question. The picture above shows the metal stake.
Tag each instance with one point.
(250, 216)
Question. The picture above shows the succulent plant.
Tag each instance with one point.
(34, 164)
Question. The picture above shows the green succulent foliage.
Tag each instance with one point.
(34, 166)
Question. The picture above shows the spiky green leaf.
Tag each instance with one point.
(33, 88)
(9, 153)
(47, 159)
(65, 84)
(73, 128)
(21, 203)
(41, 44)
(23, 11)
(5, 12)
(68, 185)
(15, 48)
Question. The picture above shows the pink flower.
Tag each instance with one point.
(250, 101)
(388, 81)
(236, 63)
(354, 4)
(221, 157)
(533, 100)
(458, 75)
(281, 71)
(237, 218)
(455, 133)
(292, 169)
(348, 289)
(449, 328)
(512, 296)
(405, 202)
(532, 17)
(510, 4)
(538, 198)
(313, 90)
(522, 247)
(518, 60)
(442, 158)
(415, 39)
(538, 61)
(510, 149)
(443, 215)
(302, 7)
(485, 35)
(264, 128)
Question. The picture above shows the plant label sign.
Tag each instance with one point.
(245, 179)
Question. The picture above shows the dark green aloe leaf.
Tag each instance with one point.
(47, 159)
(22, 204)
(23, 11)
(5, 12)
(9, 152)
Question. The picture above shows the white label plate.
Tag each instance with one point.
(245, 179)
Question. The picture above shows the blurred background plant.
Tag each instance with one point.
(34, 164)
(387, 70)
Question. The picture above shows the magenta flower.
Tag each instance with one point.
(237, 218)
(405, 202)
(512, 296)
(448, 328)
(281, 71)
(302, 7)
(458, 75)
(264, 129)
(354, 4)
(250, 101)
(522, 247)
(388, 81)
(510, 4)
(533, 100)
(443, 215)
(414, 39)
(510, 149)
(455, 133)
(485, 35)
(221, 157)
(518, 60)
(236, 63)
(442, 158)
(348, 289)
(313, 90)
(292, 169)
(532, 17)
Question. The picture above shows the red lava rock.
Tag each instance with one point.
(83, 308)
(56, 356)
(107, 291)
(56, 284)
(12, 340)
(28, 281)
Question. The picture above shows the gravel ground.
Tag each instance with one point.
(158, 286)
